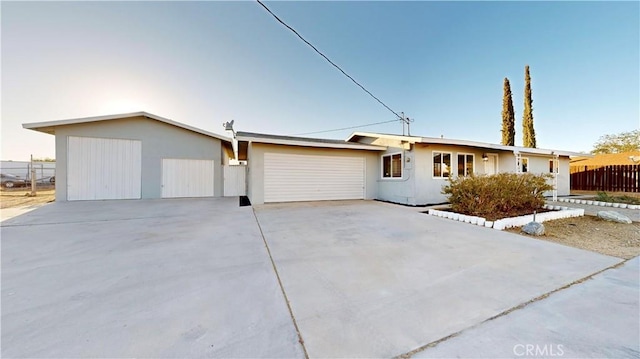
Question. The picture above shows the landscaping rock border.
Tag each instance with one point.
(598, 203)
(557, 212)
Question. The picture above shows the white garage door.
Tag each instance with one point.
(187, 178)
(103, 168)
(290, 177)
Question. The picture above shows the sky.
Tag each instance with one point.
(441, 63)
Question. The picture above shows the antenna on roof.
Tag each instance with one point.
(406, 121)
(228, 126)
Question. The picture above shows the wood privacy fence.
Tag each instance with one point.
(617, 178)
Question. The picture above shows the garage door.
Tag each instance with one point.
(103, 168)
(187, 178)
(292, 177)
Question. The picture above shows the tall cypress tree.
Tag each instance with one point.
(508, 116)
(528, 133)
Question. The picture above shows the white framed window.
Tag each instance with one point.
(524, 164)
(441, 164)
(466, 164)
(392, 165)
(554, 166)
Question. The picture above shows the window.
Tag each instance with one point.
(441, 164)
(392, 166)
(524, 164)
(465, 164)
(553, 166)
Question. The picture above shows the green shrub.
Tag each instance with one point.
(497, 195)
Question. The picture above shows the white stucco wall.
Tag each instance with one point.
(419, 187)
(159, 140)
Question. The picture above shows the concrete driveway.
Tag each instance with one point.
(369, 279)
(193, 278)
(163, 278)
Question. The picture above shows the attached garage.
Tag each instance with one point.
(103, 168)
(291, 169)
(134, 156)
(296, 177)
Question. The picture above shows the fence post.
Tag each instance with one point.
(33, 178)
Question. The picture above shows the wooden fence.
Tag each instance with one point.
(618, 178)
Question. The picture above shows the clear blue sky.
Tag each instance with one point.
(442, 63)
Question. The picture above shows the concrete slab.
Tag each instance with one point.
(8, 213)
(370, 279)
(598, 318)
(156, 278)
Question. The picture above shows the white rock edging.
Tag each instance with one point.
(598, 203)
(559, 213)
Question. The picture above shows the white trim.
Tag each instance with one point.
(465, 158)
(391, 154)
(302, 143)
(483, 145)
(433, 163)
(47, 126)
(410, 139)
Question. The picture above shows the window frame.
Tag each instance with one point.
(522, 161)
(554, 167)
(390, 155)
(465, 154)
(433, 153)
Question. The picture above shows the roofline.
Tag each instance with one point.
(309, 143)
(449, 141)
(412, 139)
(38, 126)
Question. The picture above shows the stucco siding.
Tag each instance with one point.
(256, 151)
(398, 190)
(419, 187)
(159, 140)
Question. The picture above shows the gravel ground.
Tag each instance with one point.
(594, 234)
(17, 197)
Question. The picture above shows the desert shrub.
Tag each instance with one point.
(503, 193)
(604, 197)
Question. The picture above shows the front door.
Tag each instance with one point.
(491, 164)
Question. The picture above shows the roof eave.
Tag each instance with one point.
(49, 126)
(346, 145)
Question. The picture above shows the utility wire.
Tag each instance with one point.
(331, 62)
(344, 128)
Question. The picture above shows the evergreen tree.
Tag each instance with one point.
(508, 116)
(528, 133)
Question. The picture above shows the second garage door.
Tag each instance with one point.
(293, 177)
(187, 178)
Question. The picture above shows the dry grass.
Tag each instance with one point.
(595, 193)
(594, 234)
(19, 197)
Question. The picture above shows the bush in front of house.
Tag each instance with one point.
(497, 196)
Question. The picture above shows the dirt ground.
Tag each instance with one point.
(18, 197)
(593, 234)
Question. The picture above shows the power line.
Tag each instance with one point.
(331, 62)
(344, 128)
